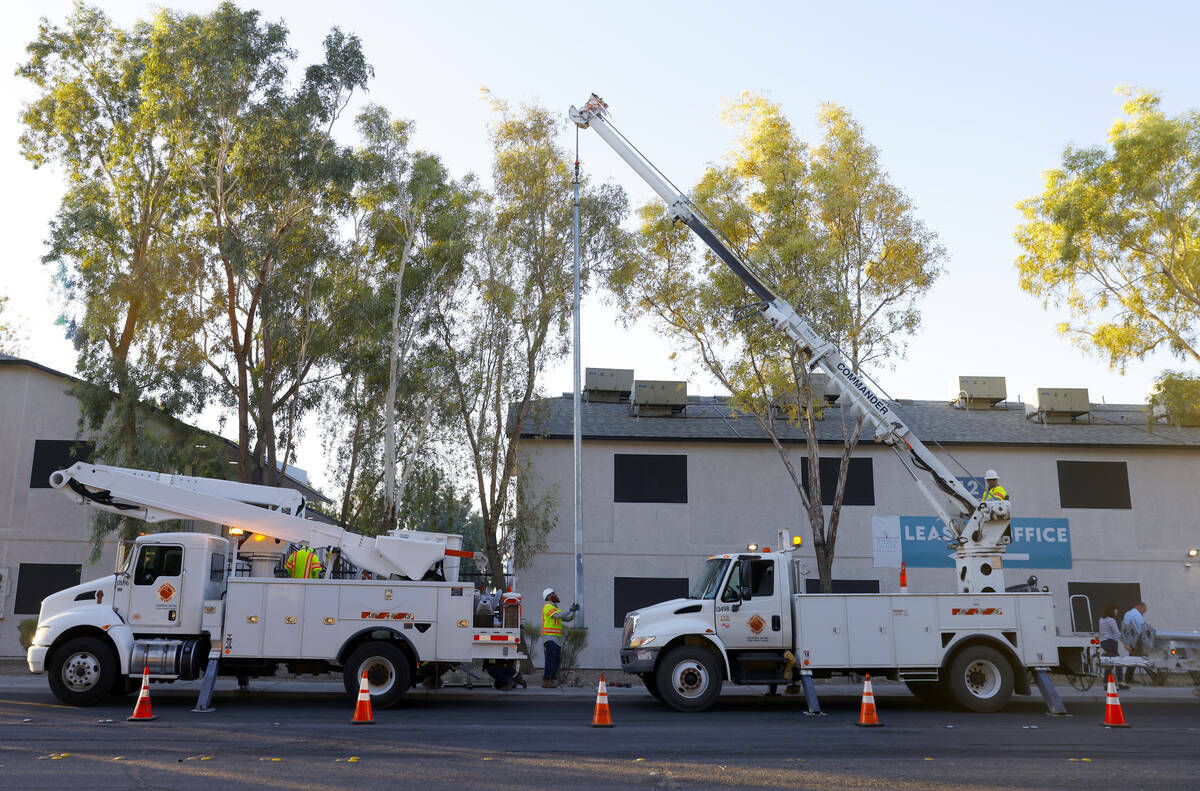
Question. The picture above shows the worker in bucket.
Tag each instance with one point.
(303, 564)
(552, 621)
(993, 489)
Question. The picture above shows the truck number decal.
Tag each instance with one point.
(368, 615)
(976, 611)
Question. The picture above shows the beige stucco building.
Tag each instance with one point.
(1105, 505)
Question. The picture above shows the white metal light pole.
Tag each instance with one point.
(576, 429)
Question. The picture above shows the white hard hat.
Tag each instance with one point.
(991, 475)
(546, 593)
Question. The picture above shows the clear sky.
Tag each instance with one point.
(968, 104)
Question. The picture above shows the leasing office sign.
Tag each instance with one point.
(921, 542)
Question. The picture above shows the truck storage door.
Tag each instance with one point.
(156, 588)
(756, 622)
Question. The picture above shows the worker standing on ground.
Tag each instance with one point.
(552, 621)
(303, 564)
(993, 491)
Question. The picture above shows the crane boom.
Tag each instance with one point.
(158, 497)
(981, 528)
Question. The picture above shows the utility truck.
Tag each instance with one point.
(176, 606)
(747, 620)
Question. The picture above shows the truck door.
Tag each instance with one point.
(156, 588)
(756, 621)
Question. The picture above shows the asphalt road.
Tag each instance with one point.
(467, 740)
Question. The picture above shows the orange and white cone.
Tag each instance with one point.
(903, 578)
(362, 709)
(141, 711)
(602, 717)
(1113, 716)
(867, 716)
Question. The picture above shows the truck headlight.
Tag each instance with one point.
(638, 642)
(39, 637)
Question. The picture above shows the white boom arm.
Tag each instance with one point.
(158, 497)
(982, 529)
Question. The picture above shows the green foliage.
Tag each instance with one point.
(512, 311)
(1178, 393)
(1114, 237)
(830, 233)
(12, 336)
(25, 629)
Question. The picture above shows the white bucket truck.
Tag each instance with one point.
(175, 606)
(747, 621)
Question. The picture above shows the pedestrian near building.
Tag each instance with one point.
(552, 620)
(1137, 634)
(303, 564)
(993, 490)
(1110, 634)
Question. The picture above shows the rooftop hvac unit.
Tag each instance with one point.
(819, 382)
(659, 398)
(608, 385)
(1059, 404)
(978, 392)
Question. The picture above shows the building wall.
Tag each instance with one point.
(37, 525)
(739, 493)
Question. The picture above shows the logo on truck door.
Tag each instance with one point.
(756, 623)
(166, 592)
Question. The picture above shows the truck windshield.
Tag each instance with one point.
(709, 579)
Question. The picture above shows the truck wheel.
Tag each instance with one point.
(931, 692)
(389, 674)
(651, 685)
(82, 671)
(688, 679)
(981, 679)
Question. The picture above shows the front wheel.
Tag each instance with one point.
(981, 679)
(82, 671)
(389, 673)
(651, 685)
(688, 679)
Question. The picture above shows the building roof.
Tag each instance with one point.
(300, 485)
(712, 420)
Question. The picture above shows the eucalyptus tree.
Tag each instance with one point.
(118, 240)
(509, 318)
(833, 236)
(1114, 239)
(258, 159)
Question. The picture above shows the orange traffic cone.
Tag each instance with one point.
(903, 578)
(1113, 716)
(362, 709)
(142, 712)
(602, 718)
(867, 716)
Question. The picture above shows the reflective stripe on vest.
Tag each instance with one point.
(551, 625)
(996, 493)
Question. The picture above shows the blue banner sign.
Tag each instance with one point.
(1036, 543)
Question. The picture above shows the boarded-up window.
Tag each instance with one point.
(650, 478)
(860, 480)
(1088, 600)
(1093, 484)
(36, 581)
(52, 455)
(630, 593)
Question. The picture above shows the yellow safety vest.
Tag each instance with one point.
(997, 492)
(551, 623)
(303, 564)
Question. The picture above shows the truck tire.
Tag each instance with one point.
(981, 679)
(688, 678)
(389, 674)
(82, 671)
(931, 692)
(651, 684)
